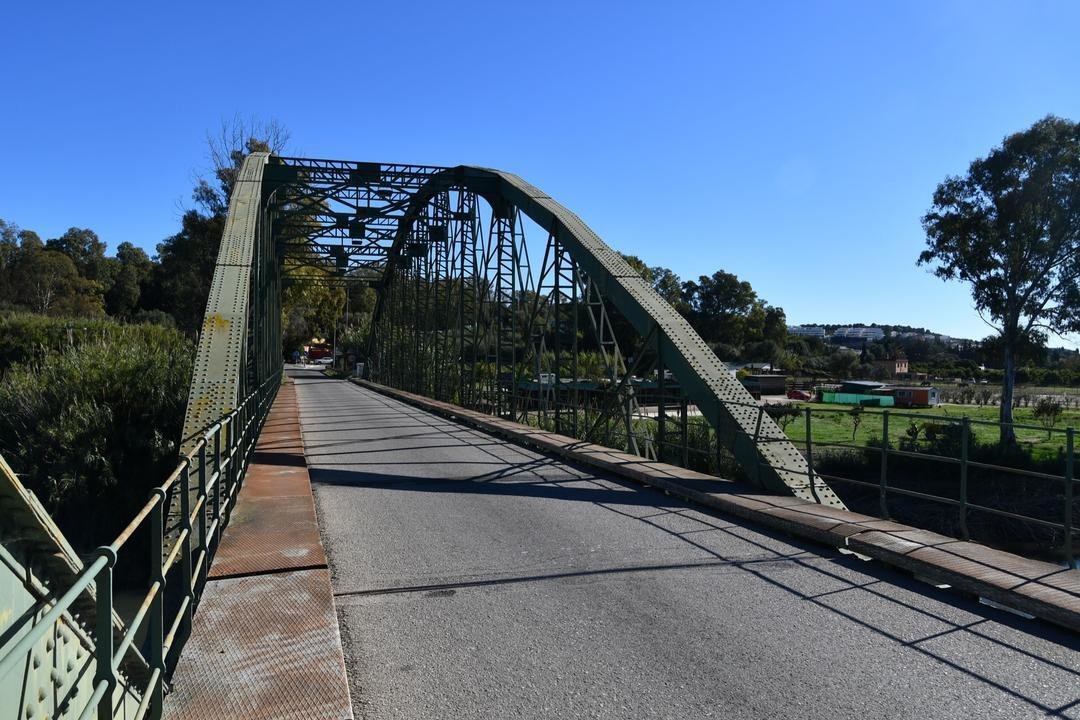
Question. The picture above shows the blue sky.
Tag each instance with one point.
(795, 144)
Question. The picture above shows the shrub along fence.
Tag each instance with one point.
(90, 427)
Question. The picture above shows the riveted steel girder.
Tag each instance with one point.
(221, 359)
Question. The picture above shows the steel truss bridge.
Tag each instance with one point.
(492, 296)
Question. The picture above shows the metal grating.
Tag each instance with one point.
(275, 638)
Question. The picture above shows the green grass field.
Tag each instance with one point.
(833, 425)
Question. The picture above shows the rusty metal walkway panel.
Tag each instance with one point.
(265, 642)
(758, 443)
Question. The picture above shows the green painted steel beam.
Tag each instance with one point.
(758, 444)
(217, 384)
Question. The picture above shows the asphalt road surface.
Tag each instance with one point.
(477, 579)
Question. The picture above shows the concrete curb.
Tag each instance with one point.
(1032, 587)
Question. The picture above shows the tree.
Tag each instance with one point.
(9, 254)
(309, 306)
(234, 141)
(783, 414)
(841, 364)
(1047, 411)
(86, 250)
(1010, 228)
(669, 285)
(775, 325)
(663, 280)
(181, 282)
(855, 414)
(50, 284)
(719, 304)
(133, 270)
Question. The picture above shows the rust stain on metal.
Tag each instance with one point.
(269, 534)
(266, 645)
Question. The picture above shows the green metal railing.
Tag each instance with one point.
(216, 465)
(680, 434)
(963, 502)
(888, 487)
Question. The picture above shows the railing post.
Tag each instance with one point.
(883, 491)
(661, 404)
(810, 456)
(204, 543)
(965, 427)
(1070, 558)
(103, 635)
(217, 475)
(185, 553)
(757, 436)
(156, 628)
(718, 444)
(684, 438)
(230, 455)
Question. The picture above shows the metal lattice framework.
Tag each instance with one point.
(491, 295)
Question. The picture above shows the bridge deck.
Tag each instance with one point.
(265, 642)
(1045, 590)
(476, 578)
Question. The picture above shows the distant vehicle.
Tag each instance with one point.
(318, 352)
(325, 361)
(798, 395)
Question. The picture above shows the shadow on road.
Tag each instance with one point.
(530, 474)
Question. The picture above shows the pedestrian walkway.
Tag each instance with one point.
(265, 642)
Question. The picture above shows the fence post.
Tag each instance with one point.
(965, 426)
(103, 635)
(1070, 558)
(156, 628)
(883, 492)
(810, 456)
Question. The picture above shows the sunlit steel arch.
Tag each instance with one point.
(757, 443)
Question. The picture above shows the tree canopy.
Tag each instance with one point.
(1010, 228)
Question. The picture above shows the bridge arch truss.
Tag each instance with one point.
(491, 295)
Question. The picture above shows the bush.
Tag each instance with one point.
(92, 428)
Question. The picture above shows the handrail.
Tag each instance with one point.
(649, 432)
(962, 503)
(240, 428)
